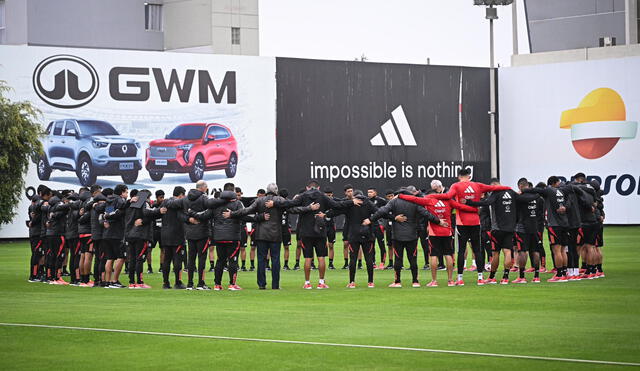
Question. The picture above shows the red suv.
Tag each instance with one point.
(193, 148)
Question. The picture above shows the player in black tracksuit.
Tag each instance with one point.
(405, 218)
(198, 233)
(36, 241)
(503, 206)
(556, 205)
(573, 215)
(313, 231)
(378, 229)
(360, 236)
(331, 233)
(139, 223)
(286, 231)
(72, 237)
(172, 236)
(588, 229)
(114, 233)
(55, 224)
(527, 238)
(84, 237)
(485, 228)
(388, 229)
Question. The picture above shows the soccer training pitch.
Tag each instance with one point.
(587, 320)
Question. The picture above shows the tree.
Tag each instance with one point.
(20, 143)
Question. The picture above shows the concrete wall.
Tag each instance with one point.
(205, 26)
(115, 24)
(572, 24)
(619, 51)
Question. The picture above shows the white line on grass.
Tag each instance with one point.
(326, 344)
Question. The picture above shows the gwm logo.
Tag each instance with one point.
(598, 123)
(65, 81)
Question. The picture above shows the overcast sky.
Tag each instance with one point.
(449, 32)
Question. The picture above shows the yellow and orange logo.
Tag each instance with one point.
(598, 123)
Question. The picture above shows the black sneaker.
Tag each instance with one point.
(105, 284)
(425, 268)
(180, 286)
(262, 288)
(313, 267)
(296, 267)
(190, 286)
(211, 269)
(244, 269)
(389, 267)
(331, 266)
(359, 266)
(442, 268)
(166, 286)
(226, 269)
(346, 266)
(268, 268)
(285, 268)
(252, 269)
(202, 286)
(65, 273)
(33, 279)
(149, 271)
(116, 285)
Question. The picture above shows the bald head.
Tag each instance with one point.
(201, 185)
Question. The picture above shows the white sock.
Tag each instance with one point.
(473, 262)
(321, 281)
(459, 277)
(465, 263)
(307, 282)
(480, 276)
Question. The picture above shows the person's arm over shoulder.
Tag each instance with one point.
(333, 204)
(423, 201)
(484, 188)
(244, 211)
(383, 211)
(462, 207)
(451, 193)
(486, 202)
(526, 197)
(425, 213)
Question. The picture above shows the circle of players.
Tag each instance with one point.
(101, 230)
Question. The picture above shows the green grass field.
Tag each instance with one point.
(597, 320)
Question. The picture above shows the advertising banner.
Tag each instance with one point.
(380, 125)
(152, 120)
(564, 118)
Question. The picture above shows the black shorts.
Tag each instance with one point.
(600, 236)
(311, 244)
(526, 242)
(440, 245)
(114, 249)
(587, 234)
(558, 236)
(331, 233)
(501, 240)
(85, 243)
(286, 236)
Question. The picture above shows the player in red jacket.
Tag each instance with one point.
(440, 238)
(468, 223)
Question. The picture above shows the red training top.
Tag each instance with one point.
(441, 209)
(469, 191)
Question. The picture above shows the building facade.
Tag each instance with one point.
(206, 26)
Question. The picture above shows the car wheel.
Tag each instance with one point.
(130, 177)
(198, 169)
(85, 171)
(44, 171)
(156, 176)
(232, 166)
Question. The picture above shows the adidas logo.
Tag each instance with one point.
(559, 194)
(440, 204)
(389, 131)
(506, 196)
(469, 190)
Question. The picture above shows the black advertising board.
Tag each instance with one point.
(380, 125)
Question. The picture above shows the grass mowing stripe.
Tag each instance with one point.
(611, 363)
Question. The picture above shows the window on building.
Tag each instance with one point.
(153, 17)
(235, 35)
(3, 24)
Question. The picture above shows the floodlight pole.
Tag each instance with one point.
(491, 14)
